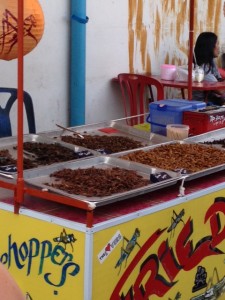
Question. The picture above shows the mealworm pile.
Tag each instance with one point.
(112, 144)
(96, 182)
(216, 142)
(44, 154)
(192, 157)
(6, 159)
(49, 153)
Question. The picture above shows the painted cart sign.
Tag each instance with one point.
(177, 253)
(45, 259)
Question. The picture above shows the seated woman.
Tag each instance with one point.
(206, 50)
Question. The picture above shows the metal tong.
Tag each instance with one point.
(71, 130)
(30, 155)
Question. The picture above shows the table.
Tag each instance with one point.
(196, 86)
(200, 86)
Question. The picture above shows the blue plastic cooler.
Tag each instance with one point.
(170, 112)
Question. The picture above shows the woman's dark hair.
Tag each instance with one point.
(204, 49)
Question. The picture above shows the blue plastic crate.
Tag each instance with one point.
(170, 112)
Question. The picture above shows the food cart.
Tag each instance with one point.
(162, 241)
(166, 240)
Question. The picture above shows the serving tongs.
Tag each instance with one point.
(71, 130)
(33, 156)
(29, 155)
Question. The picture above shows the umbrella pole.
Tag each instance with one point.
(190, 57)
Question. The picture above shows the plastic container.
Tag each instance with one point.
(166, 112)
(177, 131)
(168, 72)
(199, 74)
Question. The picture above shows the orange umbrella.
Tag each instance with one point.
(190, 56)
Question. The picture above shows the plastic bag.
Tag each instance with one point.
(182, 73)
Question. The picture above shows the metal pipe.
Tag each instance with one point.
(190, 56)
(19, 193)
(77, 62)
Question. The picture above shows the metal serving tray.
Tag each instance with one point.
(117, 127)
(189, 176)
(38, 178)
(210, 136)
(10, 143)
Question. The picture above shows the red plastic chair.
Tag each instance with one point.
(137, 94)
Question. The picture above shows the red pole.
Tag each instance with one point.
(190, 57)
(19, 195)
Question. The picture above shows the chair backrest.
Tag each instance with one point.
(5, 123)
(137, 93)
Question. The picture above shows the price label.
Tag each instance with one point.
(84, 153)
(104, 151)
(8, 169)
(182, 171)
(160, 176)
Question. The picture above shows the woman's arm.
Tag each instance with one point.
(215, 76)
(222, 72)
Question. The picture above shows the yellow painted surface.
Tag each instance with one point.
(43, 267)
(182, 259)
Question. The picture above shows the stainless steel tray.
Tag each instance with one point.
(117, 127)
(10, 143)
(38, 178)
(120, 126)
(189, 176)
(210, 136)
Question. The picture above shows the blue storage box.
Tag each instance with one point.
(170, 112)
